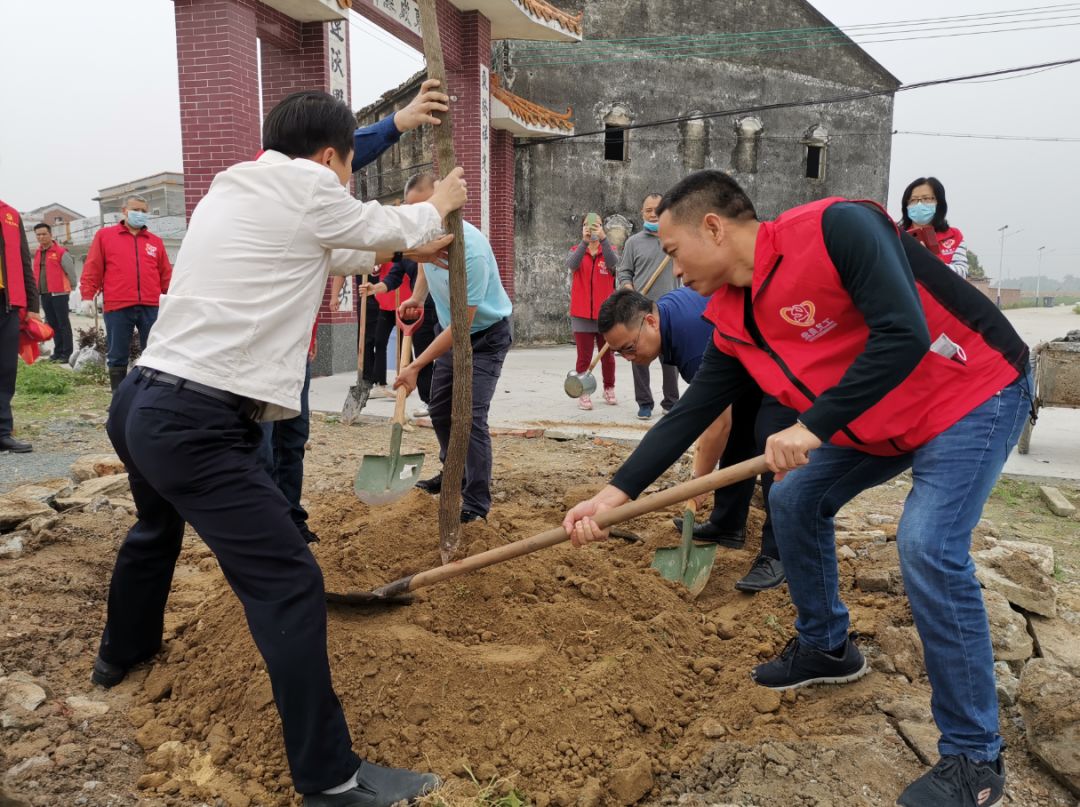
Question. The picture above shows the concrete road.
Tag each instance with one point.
(530, 395)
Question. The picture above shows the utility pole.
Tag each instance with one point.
(1038, 278)
(1001, 262)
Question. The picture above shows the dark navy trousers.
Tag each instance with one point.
(191, 458)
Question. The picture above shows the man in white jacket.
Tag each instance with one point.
(227, 352)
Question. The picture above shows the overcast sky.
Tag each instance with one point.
(91, 100)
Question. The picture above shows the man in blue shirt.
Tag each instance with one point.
(489, 310)
(674, 329)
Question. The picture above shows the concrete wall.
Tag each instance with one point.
(557, 183)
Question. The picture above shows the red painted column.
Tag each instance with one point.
(219, 86)
(502, 205)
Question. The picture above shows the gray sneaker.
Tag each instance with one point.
(377, 786)
(957, 781)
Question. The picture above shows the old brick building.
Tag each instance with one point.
(641, 62)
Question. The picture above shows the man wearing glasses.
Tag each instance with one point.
(674, 329)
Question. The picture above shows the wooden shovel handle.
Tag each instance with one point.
(402, 392)
(644, 290)
(362, 302)
(608, 518)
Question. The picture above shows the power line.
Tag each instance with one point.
(858, 96)
(1035, 139)
(372, 33)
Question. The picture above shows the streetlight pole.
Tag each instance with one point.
(1001, 262)
(1038, 278)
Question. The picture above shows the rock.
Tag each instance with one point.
(44, 492)
(902, 645)
(84, 708)
(418, 712)
(158, 683)
(765, 700)
(90, 466)
(643, 713)
(907, 708)
(40, 525)
(220, 742)
(1007, 684)
(1056, 501)
(1008, 629)
(1019, 575)
(845, 552)
(152, 734)
(149, 781)
(1049, 701)
(631, 784)
(877, 519)
(14, 510)
(22, 692)
(31, 765)
(68, 755)
(872, 579)
(112, 485)
(713, 729)
(65, 503)
(592, 795)
(12, 546)
(1058, 642)
(923, 739)
(169, 756)
(15, 717)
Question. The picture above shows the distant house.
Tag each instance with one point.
(55, 215)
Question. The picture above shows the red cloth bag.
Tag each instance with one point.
(32, 332)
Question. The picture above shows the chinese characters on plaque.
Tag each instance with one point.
(485, 150)
(339, 61)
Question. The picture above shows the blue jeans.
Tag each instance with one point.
(282, 452)
(952, 476)
(121, 324)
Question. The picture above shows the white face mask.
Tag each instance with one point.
(138, 218)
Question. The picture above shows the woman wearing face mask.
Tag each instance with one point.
(592, 263)
(924, 209)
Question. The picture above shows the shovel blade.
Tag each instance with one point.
(688, 563)
(381, 480)
(355, 402)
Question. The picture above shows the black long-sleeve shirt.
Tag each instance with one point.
(401, 269)
(874, 271)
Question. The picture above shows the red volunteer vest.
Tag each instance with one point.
(811, 332)
(387, 298)
(593, 283)
(57, 279)
(943, 245)
(14, 283)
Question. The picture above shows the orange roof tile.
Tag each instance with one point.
(528, 111)
(546, 11)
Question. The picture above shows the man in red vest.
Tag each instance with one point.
(128, 263)
(55, 271)
(894, 363)
(18, 300)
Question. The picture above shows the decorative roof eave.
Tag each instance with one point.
(523, 118)
(526, 19)
(312, 10)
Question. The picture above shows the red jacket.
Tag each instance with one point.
(387, 299)
(592, 284)
(56, 278)
(943, 245)
(811, 332)
(17, 275)
(132, 269)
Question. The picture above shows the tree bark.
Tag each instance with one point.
(461, 407)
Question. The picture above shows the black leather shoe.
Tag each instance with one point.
(764, 574)
(106, 674)
(471, 515)
(432, 486)
(9, 443)
(710, 533)
(377, 786)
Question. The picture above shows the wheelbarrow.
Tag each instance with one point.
(1057, 382)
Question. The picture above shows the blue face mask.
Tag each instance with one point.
(137, 218)
(651, 226)
(922, 213)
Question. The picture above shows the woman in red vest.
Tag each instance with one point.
(893, 365)
(19, 300)
(924, 209)
(592, 263)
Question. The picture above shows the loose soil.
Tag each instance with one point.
(572, 677)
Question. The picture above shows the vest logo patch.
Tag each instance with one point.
(151, 250)
(800, 315)
(10, 219)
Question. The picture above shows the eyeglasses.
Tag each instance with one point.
(631, 349)
(922, 200)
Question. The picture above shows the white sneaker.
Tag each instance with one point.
(422, 412)
(382, 391)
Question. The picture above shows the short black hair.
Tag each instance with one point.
(939, 222)
(623, 307)
(651, 195)
(419, 180)
(707, 192)
(307, 121)
(43, 225)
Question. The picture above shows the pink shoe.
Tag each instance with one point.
(584, 402)
(609, 396)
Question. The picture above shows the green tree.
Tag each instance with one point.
(975, 268)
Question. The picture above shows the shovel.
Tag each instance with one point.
(398, 592)
(578, 384)
(381, 480)
(687, 563)
(359, 392)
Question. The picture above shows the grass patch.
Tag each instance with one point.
(498, 792)
(45, 390)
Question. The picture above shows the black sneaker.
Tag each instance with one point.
(432, 486)
(471, 515)
(711, 534)
(106, 674)
(766, 573)
(9, 443)
(799, 666)
(957, 781)
(377, 786)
